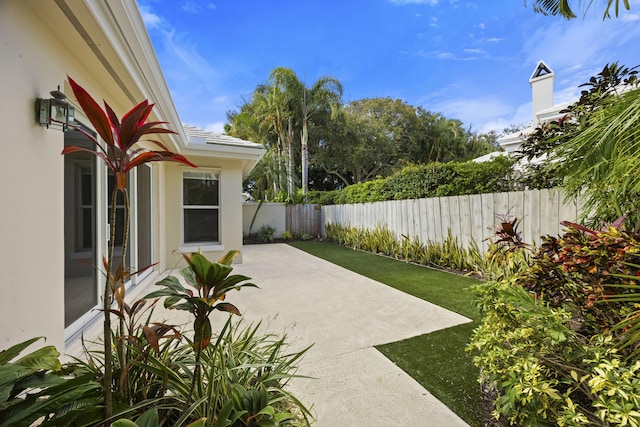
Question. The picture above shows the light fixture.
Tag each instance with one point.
(55, 112)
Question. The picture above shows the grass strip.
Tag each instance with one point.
(436, 360)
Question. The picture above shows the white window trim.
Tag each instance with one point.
(201, 246)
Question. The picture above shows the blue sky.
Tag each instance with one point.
(469, 60)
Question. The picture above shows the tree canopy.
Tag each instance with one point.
(310, 134)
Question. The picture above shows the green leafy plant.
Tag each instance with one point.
(118, 148)
(209, 283)
(448, 254)
(582, 271)
(265, 234)
(145, 343)
(286, 235)
(37, 386)
(559, 340)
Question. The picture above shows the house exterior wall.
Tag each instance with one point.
(31, 181)
(230, 210)
(40, 44)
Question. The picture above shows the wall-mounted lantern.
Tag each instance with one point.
(55, 112)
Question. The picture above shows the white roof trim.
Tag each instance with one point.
(538, 72)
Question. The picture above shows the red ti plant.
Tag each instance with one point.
(120, 153)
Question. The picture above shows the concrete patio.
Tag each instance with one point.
(344, 315)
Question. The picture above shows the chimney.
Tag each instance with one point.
(541, 82)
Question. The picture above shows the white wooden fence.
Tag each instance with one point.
(470, 217)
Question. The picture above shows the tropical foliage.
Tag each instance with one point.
(120, 151)
(564, 7)
(149, 371)
(37, 386)
(310, 134)
(559, 341)
(591, 149)
(281, 114)
(429, 180)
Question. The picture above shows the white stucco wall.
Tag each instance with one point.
(31, 183)
(272, 214)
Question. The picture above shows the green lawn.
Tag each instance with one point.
(436, 360)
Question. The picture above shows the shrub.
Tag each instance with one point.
(429, 180)
(370, 191)
(322, 197)
(583, 271)
(244, 373)
(37, 386)
(559, 340)
(448, 254)
(265, 234)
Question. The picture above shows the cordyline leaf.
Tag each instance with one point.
(172, 283)
(116, 312)
(101, 155)
(152, 338)
(94, 113)
(156, 156)
(13, 351)
(228, 307)
(228, 258)
(579, 227)
(131, 121)
(122, 135)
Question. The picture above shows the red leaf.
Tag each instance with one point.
(152, 338)
(94, 113)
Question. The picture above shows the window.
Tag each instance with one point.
(201, 207)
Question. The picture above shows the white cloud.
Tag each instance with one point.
(630, 17)
(191, 7)
(217, 127)
(475, 51)
(584, 42)
(436, 54)
(150, 19)
(482, 26)
(474, 112)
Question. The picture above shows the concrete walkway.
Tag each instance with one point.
(344, 315)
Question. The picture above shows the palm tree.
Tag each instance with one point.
(284, 108)
(304, 105)
(323, 96)
(562, 7)
(599, 160)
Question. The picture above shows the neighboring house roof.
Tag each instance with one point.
(201, 142)
(488, 157)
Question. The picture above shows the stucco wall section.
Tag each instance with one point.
(271, 214)
(230, 209)
(31, 184)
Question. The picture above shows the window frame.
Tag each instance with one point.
(204, 245)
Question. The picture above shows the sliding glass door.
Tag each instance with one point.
(87, 200)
